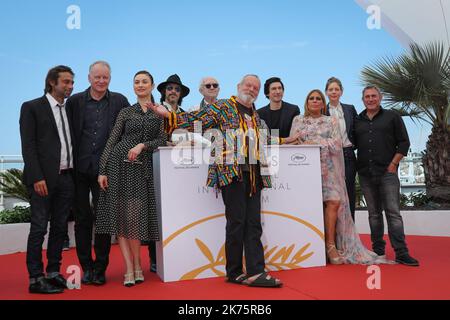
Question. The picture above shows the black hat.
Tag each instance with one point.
(173, 79)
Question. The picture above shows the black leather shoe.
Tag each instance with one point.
(99, 278)
(407, 260)
(58, 281)
(153, 267)
(88, 276)
(43, 286)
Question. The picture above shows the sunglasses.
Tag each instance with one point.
(170, 88)
(209, 85)
(315, 98)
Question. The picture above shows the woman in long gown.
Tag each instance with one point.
(127, 206)
(343, 244)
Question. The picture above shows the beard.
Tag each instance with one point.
(246, 98)
(173, 98)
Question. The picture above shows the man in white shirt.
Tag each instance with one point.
(45, 133)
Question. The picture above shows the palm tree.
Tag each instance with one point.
(417, 84)
(11, 184)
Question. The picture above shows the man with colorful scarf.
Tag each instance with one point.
(238, 171)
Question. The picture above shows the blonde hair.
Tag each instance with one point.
(323, 111)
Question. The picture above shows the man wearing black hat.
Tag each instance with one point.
(277, 114)
(172, 93)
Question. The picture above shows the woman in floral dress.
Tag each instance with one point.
(343, 244)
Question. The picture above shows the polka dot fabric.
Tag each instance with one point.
(128, 207)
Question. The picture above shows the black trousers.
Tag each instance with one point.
(84, 223)
(350, 174)
(56, 207)
(152, 251)
(243, 228)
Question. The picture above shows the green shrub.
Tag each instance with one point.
(16, 215)
(11, 184)
(404, 200)
(419, 199)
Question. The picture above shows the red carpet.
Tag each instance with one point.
(429, 281)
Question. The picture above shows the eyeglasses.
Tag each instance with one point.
(170, 88)
(315, 98)
(209, 85)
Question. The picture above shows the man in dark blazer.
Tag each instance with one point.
(277, 114)
(45, 133)
(346, 115)
(93, 113)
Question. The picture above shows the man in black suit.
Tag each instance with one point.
(93, 113)
(277, 114)
(45, 133)
(346, 116)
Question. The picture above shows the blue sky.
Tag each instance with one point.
(303, 42)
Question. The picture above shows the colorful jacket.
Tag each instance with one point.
(225, 117)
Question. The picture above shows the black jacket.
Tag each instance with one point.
(288, 112)
(41, 146)
(75, 111)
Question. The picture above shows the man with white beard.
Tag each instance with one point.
(237, 172)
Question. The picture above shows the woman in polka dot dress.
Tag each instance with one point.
(127, 207)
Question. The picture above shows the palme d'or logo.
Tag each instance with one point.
(276, 257)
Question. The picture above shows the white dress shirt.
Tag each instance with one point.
(55, 109)
(169, 107)
(338, 113)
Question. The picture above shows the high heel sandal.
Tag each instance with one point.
(336, 260)
(138, 276)
(129, 279)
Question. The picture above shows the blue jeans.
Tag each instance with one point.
(383, 192)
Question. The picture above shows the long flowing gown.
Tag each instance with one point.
(324, 131)
(128, 206)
